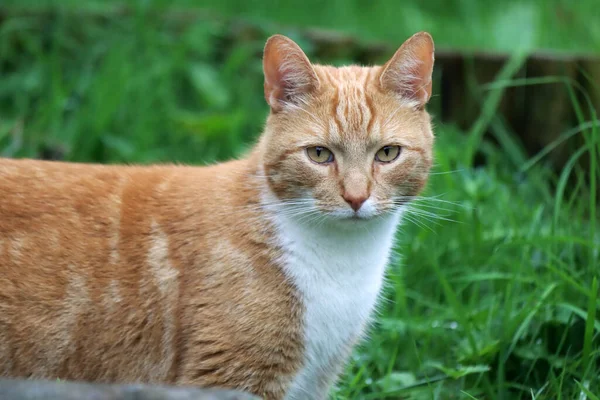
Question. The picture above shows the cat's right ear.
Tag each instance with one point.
(288, 72)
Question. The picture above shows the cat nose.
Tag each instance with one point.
(355, 201)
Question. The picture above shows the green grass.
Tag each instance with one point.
(469, 24)
(495, 293)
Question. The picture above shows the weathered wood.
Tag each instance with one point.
(20, 389)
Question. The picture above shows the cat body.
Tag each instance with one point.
(125, 274)
(258, 274)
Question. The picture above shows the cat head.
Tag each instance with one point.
(352, 142)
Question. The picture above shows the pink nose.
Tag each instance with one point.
(355, 201)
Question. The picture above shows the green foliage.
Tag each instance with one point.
(468, 24)
(125, 90)
(496, 300)
(495, 295)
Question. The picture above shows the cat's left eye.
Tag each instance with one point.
(387, 154)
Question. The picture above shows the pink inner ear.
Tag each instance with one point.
(273, 75)
(288, 72)
(409, 71)
(418, 81)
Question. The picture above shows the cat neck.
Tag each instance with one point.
(338, 245)
(338, 269)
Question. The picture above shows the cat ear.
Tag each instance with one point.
(288, 72)
(408, 72)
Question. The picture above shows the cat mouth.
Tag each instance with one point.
(345, 214)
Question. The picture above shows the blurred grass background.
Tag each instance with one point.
(495, 292)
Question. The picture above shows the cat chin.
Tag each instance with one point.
(352, 219)
(350, 223)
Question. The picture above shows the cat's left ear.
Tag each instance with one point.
(288, 72)
(408, 72)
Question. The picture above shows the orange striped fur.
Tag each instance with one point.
(180, 275)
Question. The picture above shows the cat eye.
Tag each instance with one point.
(320, 155)
(387, 154)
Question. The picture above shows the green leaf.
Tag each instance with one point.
(396, 381)
(460, 371)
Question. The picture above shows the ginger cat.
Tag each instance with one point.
(258, 274)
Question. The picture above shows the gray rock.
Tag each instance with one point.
(21, 389)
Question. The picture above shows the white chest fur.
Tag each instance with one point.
(339, 274)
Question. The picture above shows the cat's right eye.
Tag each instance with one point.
(320, 155)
